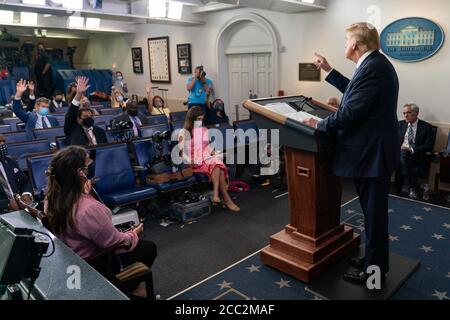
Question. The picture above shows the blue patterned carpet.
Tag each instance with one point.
(417, 230)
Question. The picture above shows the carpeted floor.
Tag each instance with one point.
(417, 230)
(189, 253)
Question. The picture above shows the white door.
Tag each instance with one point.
(248, 73)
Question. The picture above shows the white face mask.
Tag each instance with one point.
(198, 124)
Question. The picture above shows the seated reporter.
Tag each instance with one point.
(194, 146)
(79, 126)
(118, 100)
(13, 181)
(133, 115)
(216, 114)
(57, 101)
(417, 138)
(81, 221)
(39, 118)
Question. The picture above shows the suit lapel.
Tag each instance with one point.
(9, 174)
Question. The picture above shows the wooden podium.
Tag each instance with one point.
(315, 239)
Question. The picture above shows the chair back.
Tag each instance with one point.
(37, 165)
(21, 150)
(48, 133)
(113, 168)
(17, 136)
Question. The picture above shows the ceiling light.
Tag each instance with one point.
(76, 22)
(28, 18)
(6, 16)
(92, 23)
(37, 2)
(175, 10)
(157, 8)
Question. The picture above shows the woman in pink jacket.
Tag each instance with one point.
(80, 221)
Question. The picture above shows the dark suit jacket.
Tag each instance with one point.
(17, 180)
(366, 122)
(125, 117)
(30, 118)
(425, 137)
(75, 133)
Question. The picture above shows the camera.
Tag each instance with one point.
(120, 130)
(202, 72)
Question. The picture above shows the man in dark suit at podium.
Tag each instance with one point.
(367, 149)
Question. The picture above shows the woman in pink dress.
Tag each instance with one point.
(194, 143)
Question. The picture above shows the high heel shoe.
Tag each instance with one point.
(232, 207)
(216, 203)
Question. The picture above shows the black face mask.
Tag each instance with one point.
(58, 100)
(219, 107)
(3, 151)
(88, 122)
(132, 113)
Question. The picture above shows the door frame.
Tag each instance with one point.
(222, 88)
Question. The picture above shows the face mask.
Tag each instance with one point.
(89, 172)
(133, 113)
(43, 111)
(158, 104)
(198, 124)
(120, 78)
(58, 100)
(120, 98)
(3, 151)
(88, 122)
(219, 107)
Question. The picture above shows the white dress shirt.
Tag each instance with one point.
(405, 138)
(39, 124)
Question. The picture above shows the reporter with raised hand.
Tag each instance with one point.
(79, 125)
(37, 119)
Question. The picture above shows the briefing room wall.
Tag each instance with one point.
(300, 35)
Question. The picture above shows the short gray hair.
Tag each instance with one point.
(414, 107)
(42, 100)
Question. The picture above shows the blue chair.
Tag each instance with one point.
(12, 122)
(143, 109)
(116, 181)
(5, 128)
(21, 73)
(16, 136)
(177, 125)
(48, 133)
(103, 118)
(7, 89)
(227, 141)
(178, 116)
(149, 131)
(61, 142)
(243, 135)
(144, 153)
(110, 111)
(21, 150)
(37, 165)
(20, 126)
(157, 120)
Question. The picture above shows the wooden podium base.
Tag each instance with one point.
(305, 258)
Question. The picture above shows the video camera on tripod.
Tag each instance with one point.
(121, 131)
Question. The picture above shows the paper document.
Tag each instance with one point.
(286, 110)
